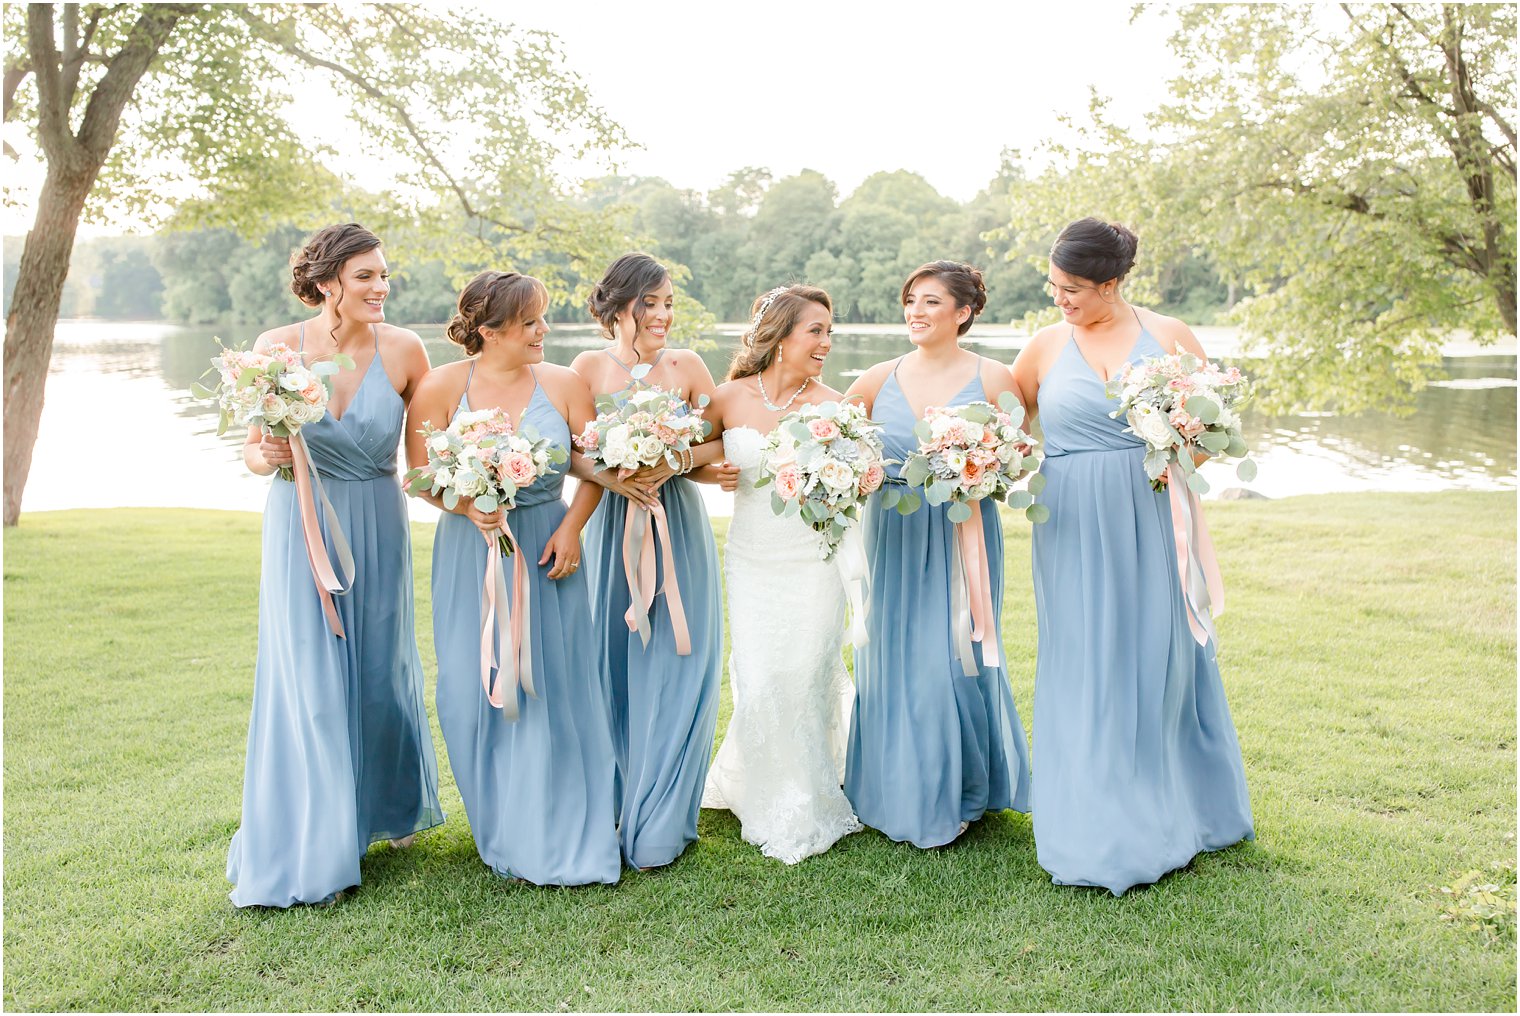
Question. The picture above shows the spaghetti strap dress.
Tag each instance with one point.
(664, 706)
(929, 747)
(1136, 763)
(538, 790)
(339, 750)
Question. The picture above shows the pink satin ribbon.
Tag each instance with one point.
(639, 566)
(971, 540)
(1197, 567)
(308, 490)
(505, 642)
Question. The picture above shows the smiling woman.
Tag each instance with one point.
(339, 752)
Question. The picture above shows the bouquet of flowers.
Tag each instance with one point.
(1182, 407)
(966, 453)
(480, 456)
(824, 461)
(649, 425)
(273, 390)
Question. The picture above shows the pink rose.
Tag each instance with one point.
(789, 482)
(871, 479)
(518, 468)
(972, 474)
(664, 434)
(314, 393)
(589, 438)
(823, 430)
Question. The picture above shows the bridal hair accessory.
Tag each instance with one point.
(765, 305)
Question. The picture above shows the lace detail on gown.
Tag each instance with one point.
(782, 761)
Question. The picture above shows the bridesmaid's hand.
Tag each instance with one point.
(486, 522)
(624, 484)
(565, 548)
(654, 476)
(276, 451)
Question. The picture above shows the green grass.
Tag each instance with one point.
(1369, 655)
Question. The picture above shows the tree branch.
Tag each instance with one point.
(76, 52)
(288, 43)
(14, 75)
(52, 112)
(102, 115)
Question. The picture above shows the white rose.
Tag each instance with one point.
(272, 408)
(644, 395)
(837, 476)
(647, 449)
(615, 450)
(443, 476)
(1227, 418)
(299, 414)
(469, 483)
(1152, 427)
(942, 425)
(439, 442)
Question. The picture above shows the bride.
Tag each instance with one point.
(782, 760)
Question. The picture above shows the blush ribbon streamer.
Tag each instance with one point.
(506, 644)
(308, 492)
(639, 566)
(1197, 567)
(972, 615)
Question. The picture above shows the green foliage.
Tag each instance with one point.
(1349, 172)
(1484, 899)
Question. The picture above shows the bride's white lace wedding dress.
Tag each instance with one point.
(782, 761)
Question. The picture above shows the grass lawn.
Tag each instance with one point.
(1369, 655)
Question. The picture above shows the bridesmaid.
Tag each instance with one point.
(538, 790)
(1139, 768)
(931, 750)
(339, 752)
(664, 705)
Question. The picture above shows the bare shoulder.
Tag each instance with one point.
(688, 360)
(443, 380)
(557, 378)
(288, 335)
(1172, 333)
(828, 394)
(396, 337)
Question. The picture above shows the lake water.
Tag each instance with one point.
(133, 378)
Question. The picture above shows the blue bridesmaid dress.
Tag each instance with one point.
(539, 790)
(664, 706)
(930, 748)
(339, 750)
(1137, 768)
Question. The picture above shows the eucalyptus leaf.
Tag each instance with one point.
(1206, 410)
(1037, 484)
(200, 391)
(1037, 513)
(486, 503)
(958, 512)
(1197, 484)
(908, 503)
(1214, 441)
(1019, 499)
(923, 431)
(1246, 471)
(451, 499)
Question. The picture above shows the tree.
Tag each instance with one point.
(1350, 171)
(123, 101)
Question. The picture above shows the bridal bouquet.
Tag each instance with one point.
(824, 460)
(273, 390)
(649, 425)
(966, 453)
(1182, 407)
(480, 456)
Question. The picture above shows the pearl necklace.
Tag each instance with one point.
(766, 398)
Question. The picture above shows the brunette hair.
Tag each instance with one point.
(1095, 250)
(962, 280)
(489, 301)
(321, 259)
(625, 280)
(770, 325)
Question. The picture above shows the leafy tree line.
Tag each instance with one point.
(736, 241)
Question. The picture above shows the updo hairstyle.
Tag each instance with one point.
(323, 257)
(770, 323)
(962, 280)
(1095, 250)
(626, 280)
(490, 301)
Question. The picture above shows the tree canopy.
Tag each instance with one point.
(1350, 170)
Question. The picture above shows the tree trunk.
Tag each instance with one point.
(33, 316)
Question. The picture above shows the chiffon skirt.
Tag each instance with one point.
(664, 706)
(538, 791)
(339, 750)
(1137, 767)
(929, 747)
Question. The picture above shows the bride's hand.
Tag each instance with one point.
(726, 475)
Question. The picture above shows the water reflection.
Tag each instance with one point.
(136, 376)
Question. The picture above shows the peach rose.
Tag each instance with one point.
(823, 430)
(789, 482)
(518, 467)
(972, 474)
(871, 479)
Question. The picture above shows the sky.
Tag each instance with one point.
(844, 87)
(849, 87)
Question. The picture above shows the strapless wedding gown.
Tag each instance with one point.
(782, 761)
